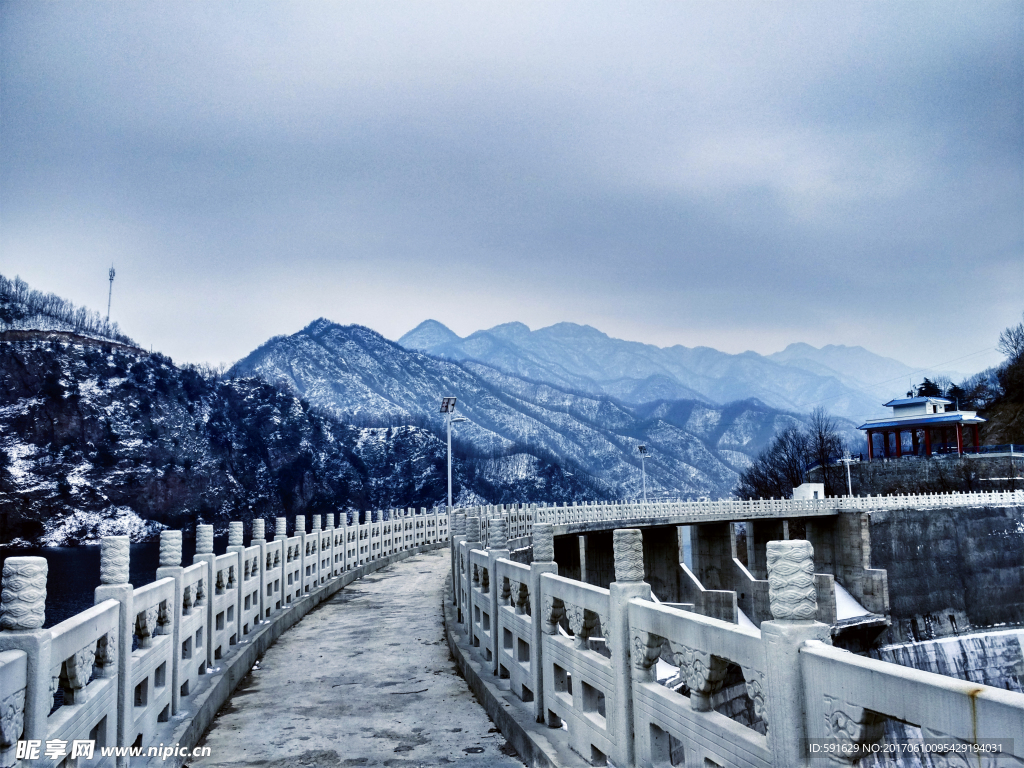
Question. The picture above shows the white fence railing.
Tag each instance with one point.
(584, 658)
(520, 517)
(112, 674)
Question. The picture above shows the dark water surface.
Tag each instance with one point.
(74, 572)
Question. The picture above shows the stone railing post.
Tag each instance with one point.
(543, 562)
(114, 567)
(170, 567)
(22, 613)
(259, 539)
(314, 535)
(280, 528)
(458, 534)
(236, 544)
(329, 527)
(300, 531)
(472, 542)
(204, 554)
(628, 548)
(497, 547)
(794, 606)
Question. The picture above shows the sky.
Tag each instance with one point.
(737, 175)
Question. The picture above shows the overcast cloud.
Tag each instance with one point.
(737, 175)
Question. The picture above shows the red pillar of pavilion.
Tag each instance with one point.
(899, 444)
(927, 442)
(871, 447)
(960, 439)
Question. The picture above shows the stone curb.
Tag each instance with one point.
(188, 726)
(538, 746)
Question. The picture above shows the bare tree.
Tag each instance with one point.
(1011, 342)
(778, 469)
(825, 446)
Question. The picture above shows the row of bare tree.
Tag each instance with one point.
(22, 306)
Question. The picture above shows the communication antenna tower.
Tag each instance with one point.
(110, 294)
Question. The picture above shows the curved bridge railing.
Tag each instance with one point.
(577, 517)
(136, 668)
(582, 660)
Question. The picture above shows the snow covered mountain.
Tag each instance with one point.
(100, 438)
(578, 356)
(697, 448)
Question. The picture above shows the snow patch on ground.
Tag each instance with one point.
(846, 605)
(89, 527)
(745, 622)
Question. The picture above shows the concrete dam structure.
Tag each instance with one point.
(581, 629)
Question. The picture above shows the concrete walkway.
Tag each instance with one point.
(365, 679)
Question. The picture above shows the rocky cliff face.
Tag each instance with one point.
(98, 438)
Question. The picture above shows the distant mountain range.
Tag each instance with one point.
(847, 381)
(697, 446)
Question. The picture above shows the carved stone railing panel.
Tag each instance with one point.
(12, 719)
(646, 651)
(851, 726)
(554, 612)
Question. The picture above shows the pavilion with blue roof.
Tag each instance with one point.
(933, 429)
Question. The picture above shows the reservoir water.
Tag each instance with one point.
(74, 572)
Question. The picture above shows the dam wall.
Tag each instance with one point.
(951, 569)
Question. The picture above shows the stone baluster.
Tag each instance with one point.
(280, 529)
(204, 554)
(458, 535)
(497, 548)
(170, 567)
(628, 549)
(236, 545)
(259, 534)
(543, 562)
(300, 532)
(114, 570)
(329, 527)
(472, 542)
(22, 613)
(794, 605)
(314, 543)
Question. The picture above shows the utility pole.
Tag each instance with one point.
(847, 460)
(643, 469)
(110, 294)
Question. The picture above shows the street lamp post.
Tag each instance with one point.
(448, 408)
(643, 469)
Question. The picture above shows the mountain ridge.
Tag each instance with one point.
(357, 374)
(588, 359)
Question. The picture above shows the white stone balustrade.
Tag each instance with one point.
(586, 656)
(188, 624)
(687, 512)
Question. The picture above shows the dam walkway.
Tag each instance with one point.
(364, 679)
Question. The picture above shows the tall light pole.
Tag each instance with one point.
(643, 469)
(448, 408)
